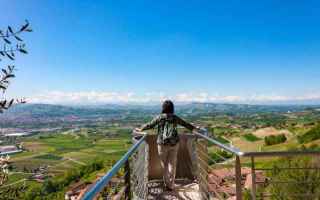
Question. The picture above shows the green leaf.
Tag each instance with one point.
(24, 27)
(10, 29)
(17, 38)
(23, 51)
(22, 101)
(10, 103)
(3, 87)
(9, 56)
(10, 76)
(7, 41)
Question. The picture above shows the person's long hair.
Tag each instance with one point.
(167, 107)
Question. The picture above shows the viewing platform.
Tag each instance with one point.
(206, 169)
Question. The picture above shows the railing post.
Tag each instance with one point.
(127, 192)
(238, 178)
(253, 176)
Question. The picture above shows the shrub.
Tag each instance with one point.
(301, 181)
(274, 139)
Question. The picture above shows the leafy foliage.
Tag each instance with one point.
(275, 139)
(54, 188)
(310, 135)
(11, 43)
(13, 192)
(299, 181)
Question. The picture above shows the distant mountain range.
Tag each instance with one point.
(46, 113)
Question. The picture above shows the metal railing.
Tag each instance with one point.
(103, 182)
(286, 171)
(220, 159)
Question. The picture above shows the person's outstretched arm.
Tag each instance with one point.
(185, 124)
(149, 125)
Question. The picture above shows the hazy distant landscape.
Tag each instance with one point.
(35, 114)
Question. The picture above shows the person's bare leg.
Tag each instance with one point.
(163, 154)
(172, 165)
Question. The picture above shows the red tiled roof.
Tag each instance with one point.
(222, 180)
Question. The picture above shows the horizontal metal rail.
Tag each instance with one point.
(287, 168)
(230, 149)
(237, 151)
(280, 153)
(100, 184)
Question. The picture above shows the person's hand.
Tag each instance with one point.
(138, 130)
(196, 129)
(200, 130)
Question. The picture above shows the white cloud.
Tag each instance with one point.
(94, 97)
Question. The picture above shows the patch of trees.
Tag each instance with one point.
(54, 188)
(13, 192)
(275, 139)
(250, 137)
(309, 136)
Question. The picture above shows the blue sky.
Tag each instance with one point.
(100, 51)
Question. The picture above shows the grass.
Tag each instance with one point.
(49, 156)
(63, 152)
(251, 138)
(16, 177)
(67, 143)
(245, 145)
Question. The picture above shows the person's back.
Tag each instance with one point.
(166, 126)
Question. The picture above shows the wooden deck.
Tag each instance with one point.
(185, 190)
